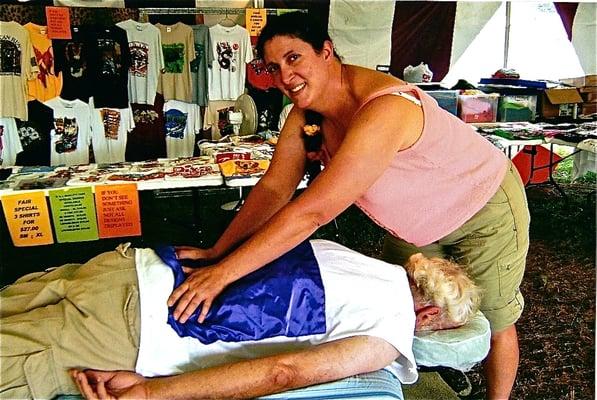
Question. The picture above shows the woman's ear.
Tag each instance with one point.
(328, 50)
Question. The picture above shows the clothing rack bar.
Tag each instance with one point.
(202, 10)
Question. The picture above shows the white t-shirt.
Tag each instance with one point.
(17, 65)
(183, 122)
(110, 128)
(71, 135)
(363, 296)
(231, 50)
(147, 60)
(10, 142)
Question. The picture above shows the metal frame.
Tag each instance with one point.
(204, 10)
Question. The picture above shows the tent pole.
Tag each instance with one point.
(507, 34)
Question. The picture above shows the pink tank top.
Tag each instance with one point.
(436, 185)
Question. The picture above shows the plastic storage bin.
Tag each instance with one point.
(515, 108)
(446, 99)
(478, 107)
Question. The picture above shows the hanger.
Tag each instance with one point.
(227, 21)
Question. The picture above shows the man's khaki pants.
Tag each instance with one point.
(76, 316)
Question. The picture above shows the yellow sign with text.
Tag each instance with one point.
(28, 219)
(255, 19)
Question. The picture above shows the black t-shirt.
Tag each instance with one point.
(148, 140)
(269, 105)
(109, 59)
(35, 135)
(72, 59)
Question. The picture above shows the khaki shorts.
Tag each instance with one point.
(76, 316)
(492, 246)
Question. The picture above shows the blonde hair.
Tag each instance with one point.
(444, 284)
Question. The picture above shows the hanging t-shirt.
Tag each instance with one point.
(216, 118)
(147, 60)
(35, 135)
(183, 122)
(10, 144)
(199, 66)
(258, 76)
(110, 127)
(269, 105)
(148, 140)
(48, 83)
(232, 51)
(17, 65)
(72, 60)
(71, 134)
(179, 50)
(109, 65)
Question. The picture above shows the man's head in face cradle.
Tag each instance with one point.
(444, 296)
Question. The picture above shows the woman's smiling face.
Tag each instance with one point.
(297, 69)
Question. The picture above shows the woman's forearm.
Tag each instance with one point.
(287, 228)
(261, 204)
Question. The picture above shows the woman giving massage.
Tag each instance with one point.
(423, 175)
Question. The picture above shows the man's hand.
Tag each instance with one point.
(200, 288)
(110, 384)
(194, 253)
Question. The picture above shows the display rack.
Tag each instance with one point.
(204, 10)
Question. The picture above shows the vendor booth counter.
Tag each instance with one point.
(181, 216)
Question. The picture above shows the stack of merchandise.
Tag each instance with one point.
(587, 86)
(243, 172)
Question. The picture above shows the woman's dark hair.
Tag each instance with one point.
(312, 30)
(296, 24)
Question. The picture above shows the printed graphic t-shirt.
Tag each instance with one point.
(110, 127)
(201, 63)
(10, 144)
(148, 140)
(17, 65)
(35, 135)
(47, 84)
(232, 51)
(183, 122)
(179, 50)
(71, 134)
(109, 65)
(147, 60)
(72, 61)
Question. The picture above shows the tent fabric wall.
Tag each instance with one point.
(470, 19)
(362, 31)
(583, 36)
(422, 32)
(567, 12)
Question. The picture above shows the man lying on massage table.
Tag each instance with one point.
(319, 313)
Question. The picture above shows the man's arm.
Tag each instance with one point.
(259, 377)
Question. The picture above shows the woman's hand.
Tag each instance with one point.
(110, 384)
(194, 253)
(200, 288)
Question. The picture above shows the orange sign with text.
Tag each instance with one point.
(117, 209)
(28, 219)
(58, 21)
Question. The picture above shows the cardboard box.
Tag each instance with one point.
(560, 102)
(588, 109)
(587, 80)
(478, 107)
